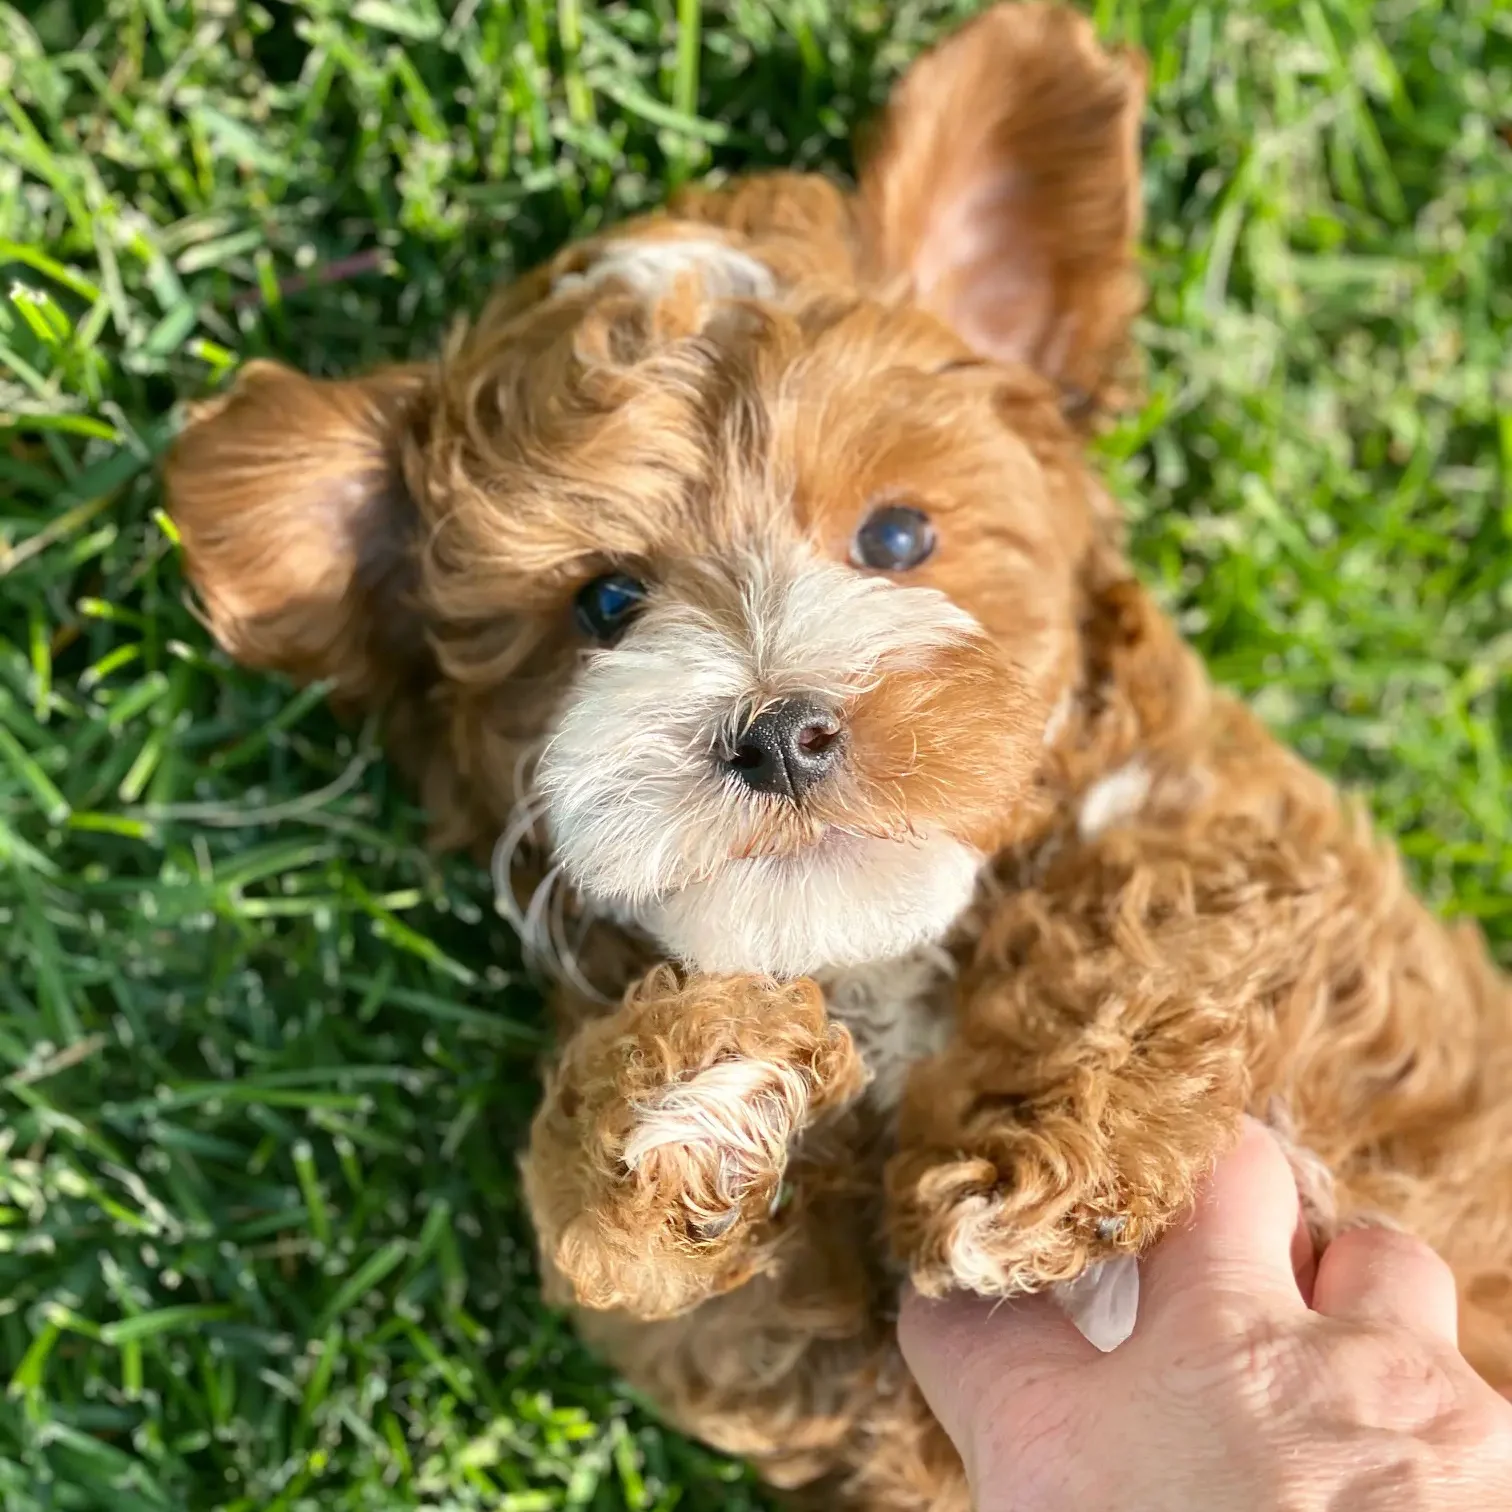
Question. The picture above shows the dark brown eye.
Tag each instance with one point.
(893, 538)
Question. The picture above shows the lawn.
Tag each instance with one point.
(264, 1062)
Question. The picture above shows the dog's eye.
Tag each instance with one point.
(606, 605)
(893, 538)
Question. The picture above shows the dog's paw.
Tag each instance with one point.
(658, 1159)
(716, 1143)
(959, 1227)
(1026, 1221)
(965, 1232)
(1007, 1182)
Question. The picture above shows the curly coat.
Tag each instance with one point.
(760, 1119)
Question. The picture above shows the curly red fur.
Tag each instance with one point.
(1174, 919)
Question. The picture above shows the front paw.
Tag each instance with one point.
(1023, 1161)
(968, 1223)
(1025, 1200)
(658, 1156)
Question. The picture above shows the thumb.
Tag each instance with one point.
(989, 1367)
(1246, 1237)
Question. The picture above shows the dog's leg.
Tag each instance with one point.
(1008, 1185)
(798, 1372)
(1103, 1053)
(655, 1168)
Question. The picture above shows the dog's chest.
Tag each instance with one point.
(898, 1012)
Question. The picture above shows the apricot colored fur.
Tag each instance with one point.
(1177, 919)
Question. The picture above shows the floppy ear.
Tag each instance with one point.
(1004, 186)
(297, 529)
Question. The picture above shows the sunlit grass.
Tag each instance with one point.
(265, 1062)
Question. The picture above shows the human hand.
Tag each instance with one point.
(1232, 1394)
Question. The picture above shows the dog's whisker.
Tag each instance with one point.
(565, 954)
(523, 774)
(524, 818)
(535, 937)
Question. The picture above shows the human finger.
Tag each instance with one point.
(1245, 1234)
(975, 1358)
(1377, 1275)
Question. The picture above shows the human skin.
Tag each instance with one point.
(1259, 1377)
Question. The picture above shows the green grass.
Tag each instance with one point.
(263, 1062)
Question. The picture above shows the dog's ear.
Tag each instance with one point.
(1003, 184)
(297, 528)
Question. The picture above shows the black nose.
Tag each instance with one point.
(787, 748)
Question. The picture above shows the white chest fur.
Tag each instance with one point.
(898, 1012)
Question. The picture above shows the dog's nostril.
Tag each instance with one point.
(786, 749)
(816, 738)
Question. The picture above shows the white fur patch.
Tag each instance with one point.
(717, 1106)
(972, 1262)
(1119, 795)
(645, 822)
(861, 900)
(650, 268)
(1103, 1301)
(1059, 715)
(898, 1012)
(740, 1113)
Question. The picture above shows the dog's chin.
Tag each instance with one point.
(846, 901)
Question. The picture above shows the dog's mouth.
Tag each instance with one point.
(818, 843)
(837, 844)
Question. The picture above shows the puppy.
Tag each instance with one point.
(920, 909)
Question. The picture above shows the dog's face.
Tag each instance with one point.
(802, 592)
(737, 559)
